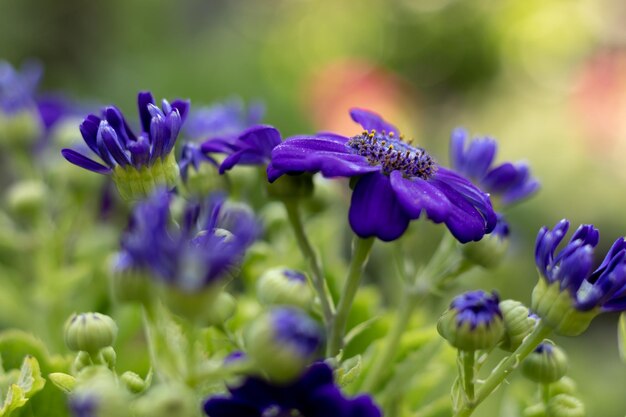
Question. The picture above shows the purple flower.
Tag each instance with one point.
(209, 243)
(314, 394)
(252, 147)
(396, 181)
(476, 308)
(192, 157)
(572, 268)
(18, 88)
(474, 159)
(223, 120)
(112, 140)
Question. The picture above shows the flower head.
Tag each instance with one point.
(18, 88)
(313, 394)
(474, 159)
(136, 162)
(473, 321)
(396, 180)
(223, 121)
(210, 241)
(253, 146)
(569, 292)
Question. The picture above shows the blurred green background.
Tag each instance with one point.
(547, 78)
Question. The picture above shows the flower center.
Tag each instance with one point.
(392, 154)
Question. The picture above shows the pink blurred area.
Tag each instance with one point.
(341, 85)
(599, 100)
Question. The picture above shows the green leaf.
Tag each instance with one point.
(349, 370)
(621, 336)
(15, 399)
(28, 383)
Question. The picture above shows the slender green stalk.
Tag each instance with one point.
(505, 368)
(469, 362)
(319, 283)
(385, 359)
(360, 255)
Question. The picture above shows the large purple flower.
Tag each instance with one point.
(210, 241)
(474, 159)
(396, 181)
(314, 394)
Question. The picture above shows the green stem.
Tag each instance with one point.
(505, 368)
(469, 362)
(319, 283)
(360, 255)
(383, 361)
(545, 393)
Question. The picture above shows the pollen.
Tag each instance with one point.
(392, 154)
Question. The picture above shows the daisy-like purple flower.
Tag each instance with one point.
(397, 181)
(112, 140)
(474, 158)
(252, 147)
(314, 394)
(571, 268)
(209, 243)
(18, 88)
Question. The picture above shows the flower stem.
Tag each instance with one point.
(319, 283)
(505, 368)
(469, 361)
(360, 255)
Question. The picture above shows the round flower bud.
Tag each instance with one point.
(290, 187)
(222, 308)
(564, 405)
(133, 382)
(21, 129)
(557, 310)
(26, 198)
(472, 322)
(282, 342)
(203, 181)
(89, 332)
(565, 385)
(518, 323)
(547, 364)
(284, 286)
(535, 410)
(490, 250)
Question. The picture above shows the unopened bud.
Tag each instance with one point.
(564, 405)
(518, 324)
(89, 332)
(547, 364)
(283, 286)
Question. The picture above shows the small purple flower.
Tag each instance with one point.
(397, 181)
(474, 159)
(223, 120)
(314, 394)
(476, 308)
(209, 243)
(18, 88)
(252, 147)
(83, 405)
(571, 267)
(112, 140)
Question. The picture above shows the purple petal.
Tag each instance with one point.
(416, 195)
(375, 210)
(479, 156)
(228, 407)
(261, 138)
(111, 141)
(244, 157)
(183, 108)
(89, 130)
(82, 161)
(218, 145)
(370, 120)
(143, 99)
(173, 123)
(313, 154)
(457, 148)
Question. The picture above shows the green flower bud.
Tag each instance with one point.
(27, 198)
(167, 400)
(223, 308)
(535, 410)
(282, 342)
(283, 286)
(204, 181)
(291, 187)
(194, 306)
(556, 309)
(63, 381)
(133, 382)
(20, 130)
(82, 361)
(564, 405)
(490, 250)
(108, 356)
(135, 184)
(472, 322)
(517, 324)
(547, 364)
(89, 332)
(565, 385)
